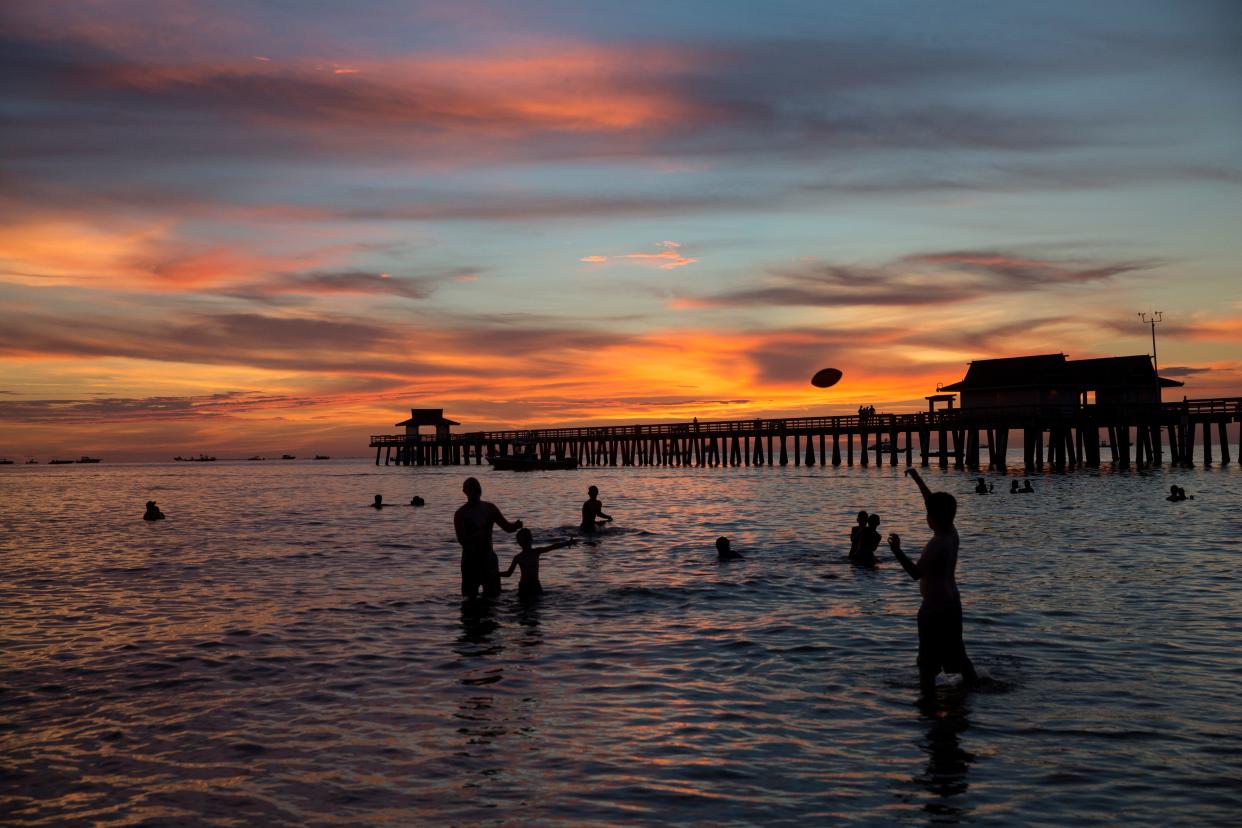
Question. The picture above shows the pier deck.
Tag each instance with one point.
(1067, 437)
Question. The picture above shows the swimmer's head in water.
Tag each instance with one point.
(151, 503)
(722, 545)
(472, 488)
(379, 499)
(1172, 490)
(523, 538)
(593, 491)
(862, 518)
(873, 521)
(941, 510)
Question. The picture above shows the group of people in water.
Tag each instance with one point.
(379, 503)
(1178, 494)
(983, 487)
(940, 616)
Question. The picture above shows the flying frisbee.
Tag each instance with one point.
(826, 378)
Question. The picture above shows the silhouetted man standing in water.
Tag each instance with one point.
(473, 523)
(940, 616)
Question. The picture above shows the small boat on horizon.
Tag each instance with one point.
(32, 462)
(4, 461)
(85, 459)
(322, 457)
(55, 462)
(256, 457)
(202, 458)
(287, 457)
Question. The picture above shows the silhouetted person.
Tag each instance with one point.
(417, 501)
(473, 524)
(153, 512)
(1027, 488)
(1173, 494)
(868, 542)
(856, 533)
(725, 551)
(940, 616)
(593, 516)
(981, 487)
(528, 560)
(1013, 487)
(378, 503)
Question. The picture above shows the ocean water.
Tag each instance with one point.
(275, 652)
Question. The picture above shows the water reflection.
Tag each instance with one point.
(947, 763)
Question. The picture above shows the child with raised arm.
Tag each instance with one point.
(856, 534)
(528, 560)
(940, 616)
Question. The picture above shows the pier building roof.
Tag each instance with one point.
(427, 417)
(1054, 370)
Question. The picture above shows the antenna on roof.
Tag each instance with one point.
(1151, 319)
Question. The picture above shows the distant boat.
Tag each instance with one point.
(32, 462)
(85, 459)
(322, 457)
(287, 457)
(4, 461)
(256, 457)
(60, 462)
(202, 458)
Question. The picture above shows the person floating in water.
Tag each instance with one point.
(417, 501)
(593, 517)
(725, 551)
(1013, 487)
(1177, 494)
(1027, 488)
(868, 542)
(378, 503)
(153, 512)
(981, 487)
(528, 560)
(940, 616)
(473, 524)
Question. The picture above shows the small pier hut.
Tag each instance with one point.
(417, 447)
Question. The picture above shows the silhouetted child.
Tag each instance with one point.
(856, 534)
(153, 512)
(1027, 488)
(981, 487)
(593, 516)
(528, 560)
(417, 501)
(868, 542)
(1173, 494)
(725, 551)
(1013, 487)
(940, 616)
(379, 502)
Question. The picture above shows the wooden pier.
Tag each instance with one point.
(1056, 437)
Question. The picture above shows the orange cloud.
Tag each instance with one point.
(666, 259)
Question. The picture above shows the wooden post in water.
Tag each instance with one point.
(1223, 430)
(849, 448)
(836, 448)
(797, 450)
(1207, 444)
(823, 446)
(862, 445)
(784, 447)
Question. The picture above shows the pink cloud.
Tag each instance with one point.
(667, 258)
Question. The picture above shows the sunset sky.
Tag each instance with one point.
(243, 227)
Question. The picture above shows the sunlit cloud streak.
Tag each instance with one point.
(668, 257)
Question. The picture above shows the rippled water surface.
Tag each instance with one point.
(276, 652)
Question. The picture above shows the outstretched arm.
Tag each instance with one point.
(604, 516)
(504, 524)
(512, 566)
(919, 480)
(558, 545)
(911, 568)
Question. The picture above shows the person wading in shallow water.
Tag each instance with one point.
(940, 616)
(593, 516)
(473, 524)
